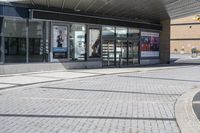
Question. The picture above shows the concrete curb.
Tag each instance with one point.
(185, 115)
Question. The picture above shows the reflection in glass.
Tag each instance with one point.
(108, 31)
(77, 42)
(121, 52)
(94, 43)
(133, 57)
(108, 53)
(0, 50)
(121, 32)
(15, 41)
(133, 32)
(36, 47)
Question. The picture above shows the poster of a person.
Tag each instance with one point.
(60, 39)
(60, 42)
(60, 36)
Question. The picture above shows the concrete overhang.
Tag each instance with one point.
(152, 11)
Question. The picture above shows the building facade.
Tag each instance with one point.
(79, 41)
(185, 35)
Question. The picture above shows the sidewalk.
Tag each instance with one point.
(187, 111)
(117, 100)
(196, 105)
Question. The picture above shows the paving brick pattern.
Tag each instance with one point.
(139, 102)
(196, 105)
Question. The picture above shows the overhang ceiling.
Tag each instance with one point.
(148, 10)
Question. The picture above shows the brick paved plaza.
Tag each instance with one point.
(128, 100)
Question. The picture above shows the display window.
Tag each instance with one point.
(94, 43)
(77, 42)
(36, 44)
(15, 41)
(60, 41)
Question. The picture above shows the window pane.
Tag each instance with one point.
(133, 32)
(94, 43)
(15, 41)
(36, 47)
(108, 31)
(0, 50)
(121, 32)
(133, 52)
(77, 42)
(108, 53)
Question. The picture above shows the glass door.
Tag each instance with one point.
(121, 53)
(133, 52)
(108, 53)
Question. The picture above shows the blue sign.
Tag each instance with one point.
(59, 49)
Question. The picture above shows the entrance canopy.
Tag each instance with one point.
(144, 10)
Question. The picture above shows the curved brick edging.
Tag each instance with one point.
(185, 115)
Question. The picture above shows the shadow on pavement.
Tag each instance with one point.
(86, 117)
(171, 79)
(113, 91)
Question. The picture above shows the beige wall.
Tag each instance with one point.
(185, 35)
(185, 31)
(184, 46)
(189, 19)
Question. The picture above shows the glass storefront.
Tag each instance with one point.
(124, 50)
(77, 42)
(15, 41)
(36, 44)
(26, 41)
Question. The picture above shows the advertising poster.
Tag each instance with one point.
(149, 45)
(94, 43)
(79, 45)
(60, 42)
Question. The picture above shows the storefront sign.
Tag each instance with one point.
(60, 42)
(149, 45)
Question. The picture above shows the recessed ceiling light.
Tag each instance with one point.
(77, 10)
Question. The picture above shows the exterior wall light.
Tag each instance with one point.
(197, 17)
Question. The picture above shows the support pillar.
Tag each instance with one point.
(165, 42)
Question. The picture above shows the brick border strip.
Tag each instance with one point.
(185, 115)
